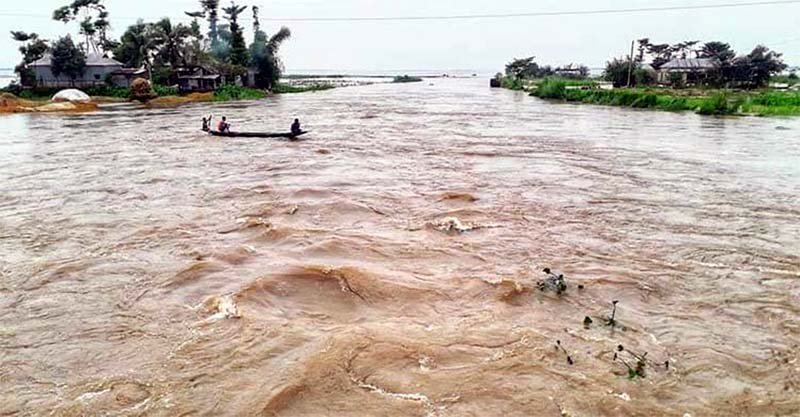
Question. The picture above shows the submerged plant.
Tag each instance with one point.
(612, 320)
(554, 283)
(637, 364)
(560, 348)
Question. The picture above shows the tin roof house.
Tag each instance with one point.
(98, 69)
(688, 71)
(197, 78)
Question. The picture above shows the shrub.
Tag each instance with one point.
(163, 90)
(282, 88)
(511, 83)
(406, 79)
(718, 104)
(109, 91)
(229, 92)
(645, 101)
(552, 89)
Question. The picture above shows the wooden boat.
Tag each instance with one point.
(287, 135)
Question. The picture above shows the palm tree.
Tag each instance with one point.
(238, 47)
(171, 40)
(268, 63)
(211, 8)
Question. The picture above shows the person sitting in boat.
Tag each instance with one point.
(224, 126)
(296, 130)
(206, 124)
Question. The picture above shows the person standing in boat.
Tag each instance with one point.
(296, 130)
(224, 126)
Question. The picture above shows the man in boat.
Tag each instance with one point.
(296, 130)
(224, 126)
(207, 124)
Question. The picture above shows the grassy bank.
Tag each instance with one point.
(36, 99)
(512, 83)
(282, 88)
(706, 102)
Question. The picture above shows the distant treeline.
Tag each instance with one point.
(712, 64)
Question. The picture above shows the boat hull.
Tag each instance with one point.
(287, 135)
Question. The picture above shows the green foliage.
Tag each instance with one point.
(720, 51)
(552, 89)
(135, 45)
(163, 90)
(718, 104)
(527, 68)
(282, 88)
(406, 79)
(642, 77)
(68, 59)
(266, 60)
(511, 83)
(238, 54)
(617, 71)
(170, 41)
(230, 92)
(95, 23)
(32, 50)
(108, 91)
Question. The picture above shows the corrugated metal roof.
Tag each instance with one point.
(92, 60)
(691, 64)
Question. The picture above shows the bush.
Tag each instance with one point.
(163, 90)
(109, 91)
(230, 92)
(645, 101)
(552, 89)
(718, 104)
(406, 79)
(282, 88)
(511, 83)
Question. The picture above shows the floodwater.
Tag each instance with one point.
(387, 264)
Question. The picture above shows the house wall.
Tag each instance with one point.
(92, 76)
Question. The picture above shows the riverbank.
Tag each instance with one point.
(38, 100)
(701, 101)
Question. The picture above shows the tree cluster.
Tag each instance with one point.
(528, 68)
(162, 46)
(752, 70)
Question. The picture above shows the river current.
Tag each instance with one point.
(387, 264)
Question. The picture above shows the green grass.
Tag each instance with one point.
(282, 88)
(712, 102)
(230, 92)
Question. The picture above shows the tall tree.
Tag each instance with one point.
(33, 49)
(211, 8)
(267, 62)
(67, 59)
(171, 40)
(760, 65)
(239, 55)
(94, 26)
(523, 68)
(717, 50)
(136, 45)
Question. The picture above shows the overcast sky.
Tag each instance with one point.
(479, 44)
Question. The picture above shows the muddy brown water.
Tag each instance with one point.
(387, 265)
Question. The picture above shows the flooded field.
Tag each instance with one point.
(388, 264)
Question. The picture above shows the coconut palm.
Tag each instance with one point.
(238, 55)
(171, 40)
(267, 62)
(211, 8)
